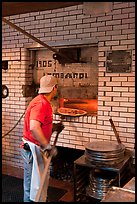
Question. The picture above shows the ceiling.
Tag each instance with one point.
(14, 8)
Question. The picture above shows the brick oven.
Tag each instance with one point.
(77, 82)
(94, 82)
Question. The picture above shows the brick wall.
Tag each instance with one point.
(114, 30)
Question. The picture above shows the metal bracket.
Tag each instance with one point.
(29, 90)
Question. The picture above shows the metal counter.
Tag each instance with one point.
(82, 169)
(125, 194)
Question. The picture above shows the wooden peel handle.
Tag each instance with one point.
(46, 171)
(61, 127)
(114, 129)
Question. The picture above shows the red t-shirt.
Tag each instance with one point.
(39, 109)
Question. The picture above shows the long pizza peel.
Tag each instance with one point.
(45, 172)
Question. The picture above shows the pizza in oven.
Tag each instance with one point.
(71, 111)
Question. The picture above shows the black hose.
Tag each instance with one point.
(14, 126)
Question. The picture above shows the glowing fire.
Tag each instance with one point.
(89, 105)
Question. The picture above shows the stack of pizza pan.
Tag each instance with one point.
(99, 183)
(104, 153)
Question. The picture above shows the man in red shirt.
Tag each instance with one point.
(36, 136)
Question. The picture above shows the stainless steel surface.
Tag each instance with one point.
(130, 185)
(116, 194)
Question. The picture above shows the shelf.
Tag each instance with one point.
(82, 170)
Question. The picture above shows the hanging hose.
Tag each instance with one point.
(14, 125)
(19, 121)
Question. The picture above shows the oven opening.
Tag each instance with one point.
(77, 81)
(88, 105)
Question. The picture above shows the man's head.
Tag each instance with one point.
(47, 83)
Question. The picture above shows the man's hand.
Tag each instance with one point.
(53, 152)
(57, 127)
(46, 148)
(50, 150)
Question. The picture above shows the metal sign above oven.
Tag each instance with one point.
(119, 61)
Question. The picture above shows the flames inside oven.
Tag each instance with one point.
(80, 97)
(88, 105)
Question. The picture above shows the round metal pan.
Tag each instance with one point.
(99, 184)
(104, 146)
(104, 153)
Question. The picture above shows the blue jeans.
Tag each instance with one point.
(28, 161)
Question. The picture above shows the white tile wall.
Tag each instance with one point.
(113, 31)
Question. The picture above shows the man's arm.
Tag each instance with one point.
(35, 128)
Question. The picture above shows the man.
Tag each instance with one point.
(37, 132)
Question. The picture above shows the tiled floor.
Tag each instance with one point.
(17, 172)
